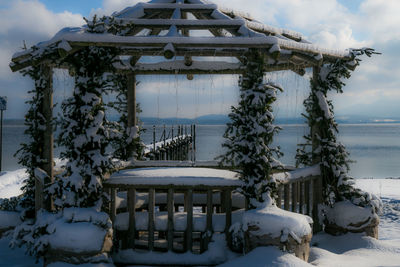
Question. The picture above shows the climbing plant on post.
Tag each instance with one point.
(321, 146)
(31, 154)
(125, 140)
(83, 131)
(250, 132)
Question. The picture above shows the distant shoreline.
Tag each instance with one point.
(223, 120)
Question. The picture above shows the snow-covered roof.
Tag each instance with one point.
(177, 27)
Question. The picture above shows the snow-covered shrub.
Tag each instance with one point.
(30, 154)
(84, 133)
(125, 140)
(250, 132)
(73, 231)
(11, 204)
(332, 155)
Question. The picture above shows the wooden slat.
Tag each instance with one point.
(210, 210)
(113, 211)
(228, 216)
(151, 225)
(294, 197)
(307, 197)
(170, 207)
(279, 198)
(286, 204)
(301, 195)
(189, 223)
(132, 213)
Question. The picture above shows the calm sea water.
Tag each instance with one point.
(374, 147)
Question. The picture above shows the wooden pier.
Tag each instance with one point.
(179, 144)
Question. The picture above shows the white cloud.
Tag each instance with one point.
(26, 20)
(111, 6)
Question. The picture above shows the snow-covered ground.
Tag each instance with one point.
(347, 250)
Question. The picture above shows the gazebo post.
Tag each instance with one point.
(47, 111)
(131, 100)
(317, 183)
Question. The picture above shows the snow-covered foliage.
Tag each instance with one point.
(30, 154)
(321, 144)
(124, 139)
(75, 230)
(250, 132)
(84, 133)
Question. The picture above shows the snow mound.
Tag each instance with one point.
(217, 253)
(266, 257)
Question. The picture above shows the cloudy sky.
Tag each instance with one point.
(373, 90)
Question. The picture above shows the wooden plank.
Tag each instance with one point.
(196, 8)
(294, 197)
(189, 222)
(286, 203)
(132, 213)
(113, 211)
(187, 24)
(279, 198)
(301, 195)
(228, 216)
(170, 208)
(307, 185)
(151, 226)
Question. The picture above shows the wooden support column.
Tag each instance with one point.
(48, 146)
(315, 131)
(317, 183)
(131, 100)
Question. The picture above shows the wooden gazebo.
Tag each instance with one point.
(185, 34)
(174, 29)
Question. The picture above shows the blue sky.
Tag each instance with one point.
(339, 24)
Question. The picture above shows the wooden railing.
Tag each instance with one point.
(302, 195)
(194, 237)
(203, 209)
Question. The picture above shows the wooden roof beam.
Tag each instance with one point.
(203, 24)
(198, 8)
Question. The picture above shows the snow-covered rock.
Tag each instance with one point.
(345, 217)
(271, 226)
